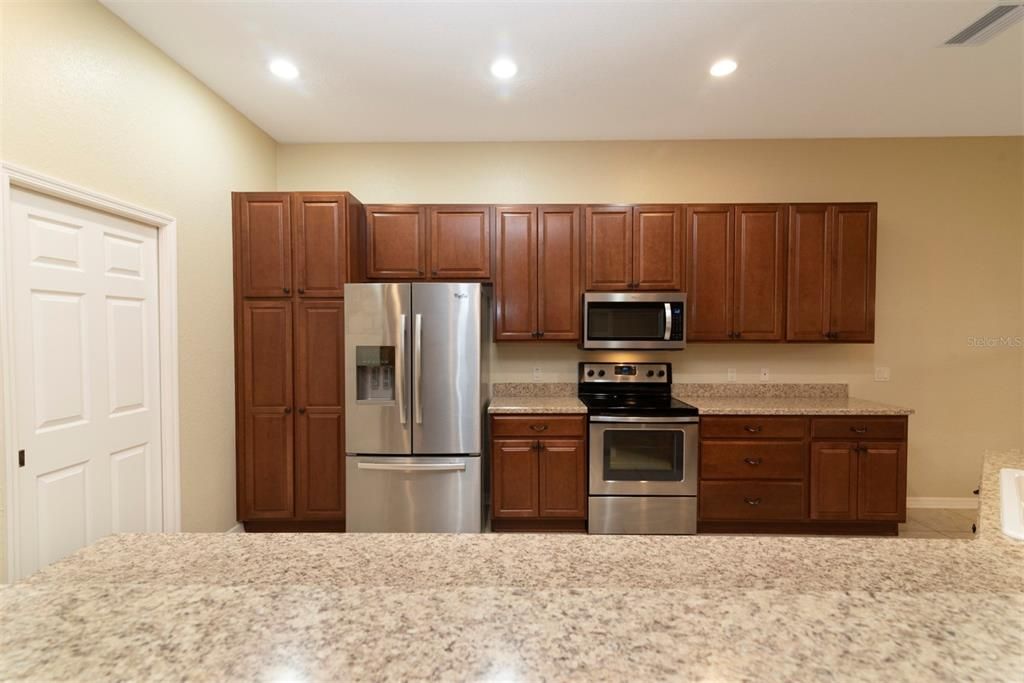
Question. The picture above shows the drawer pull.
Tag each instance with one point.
(753, 429)
(753, 461)
(752, 501)
(539, 428)
(859, 430)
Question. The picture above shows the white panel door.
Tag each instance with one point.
(87, 379)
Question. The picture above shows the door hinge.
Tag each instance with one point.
(21, 458)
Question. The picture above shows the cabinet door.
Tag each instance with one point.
(515, 276)
(396, 243)
(320, 410)
(321, 245)
(658, 251)
(709, 291)
(265, 242)
(809, 275)
(833, 480)
(558, 273)
(460, 242)
(759, 270)
(882, 481)
(563, 485)
(852, 310)
(515, 476)
(609, 247)
(267, 409)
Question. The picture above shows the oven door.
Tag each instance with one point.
(643, 456)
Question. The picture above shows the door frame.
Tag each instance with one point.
(12, 176)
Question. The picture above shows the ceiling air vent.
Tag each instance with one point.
(994, 21)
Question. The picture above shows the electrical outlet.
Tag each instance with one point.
(731, 374)
(881, 374)
(764, 374)
(536, 373)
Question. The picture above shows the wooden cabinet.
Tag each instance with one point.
(396, 242)
(294, 252)
(536, 273)
(538, 473)
(831, 284)
(828, 474)
(411, 242)
(460, 242)
(631, 247)
(736, 289)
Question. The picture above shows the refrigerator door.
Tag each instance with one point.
(440, 495)
(378, 323)
(446, 339)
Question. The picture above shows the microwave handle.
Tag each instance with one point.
(668, 321)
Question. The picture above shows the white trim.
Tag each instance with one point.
(236, 529)
(167, 250)
(957, 503)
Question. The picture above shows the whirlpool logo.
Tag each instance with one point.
(460, 295)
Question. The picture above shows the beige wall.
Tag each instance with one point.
(951, 226)
(87, 100)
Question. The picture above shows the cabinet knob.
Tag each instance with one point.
(287, 290)
(434, 272)
(539, 428)
(753, 461)
(302, 411)
(536, 445)
(752, 501)
(301, 290)
(753, 429)
(541, 333)
(288, 411)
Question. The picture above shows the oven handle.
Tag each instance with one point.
(640, 418)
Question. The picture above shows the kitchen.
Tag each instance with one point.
(800, 281)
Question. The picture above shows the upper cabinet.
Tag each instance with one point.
(736, 288)
(633, 248)
(831, 290)
(460, 242)
(396, 242)
(300, 243)
(536, 281)
(411, 242)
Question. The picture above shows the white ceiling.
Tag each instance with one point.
(419, 71)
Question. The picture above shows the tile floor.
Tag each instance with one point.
(938, 523)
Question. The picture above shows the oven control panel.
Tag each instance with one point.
(659, 373)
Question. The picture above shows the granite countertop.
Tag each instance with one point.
(511, 405)
(525, 607)
(806, 405)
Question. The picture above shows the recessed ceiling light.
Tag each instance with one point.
(723, 67)
(282, 68)
(504, 68)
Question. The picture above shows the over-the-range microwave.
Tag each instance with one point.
(634, 320)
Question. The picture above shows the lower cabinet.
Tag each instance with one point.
(538, 473)
(803, 474)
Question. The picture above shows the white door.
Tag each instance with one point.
(87, 381)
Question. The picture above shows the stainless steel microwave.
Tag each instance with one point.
(634, 320)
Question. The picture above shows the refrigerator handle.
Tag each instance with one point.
(417, 370)
(400, 369)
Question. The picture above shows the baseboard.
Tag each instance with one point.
(236, 529)
(958, 503)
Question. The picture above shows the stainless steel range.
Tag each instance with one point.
(643, 450)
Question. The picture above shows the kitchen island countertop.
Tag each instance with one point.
(525, 607)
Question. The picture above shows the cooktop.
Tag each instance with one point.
(641, 389)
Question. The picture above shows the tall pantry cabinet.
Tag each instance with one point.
(293, 254)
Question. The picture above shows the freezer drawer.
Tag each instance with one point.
(423, 494)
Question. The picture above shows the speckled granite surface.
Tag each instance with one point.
(760, 390)
(512, 405)
(522, 607)
(533, 389)
(756, 405)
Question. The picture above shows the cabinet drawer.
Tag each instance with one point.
(535, 426)
(751, 500)
(752, 460)
(859, 428)
(753, 427)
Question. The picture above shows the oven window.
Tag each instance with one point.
(643, 455)
(625, 321)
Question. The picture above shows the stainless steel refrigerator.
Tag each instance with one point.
(414, 398)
